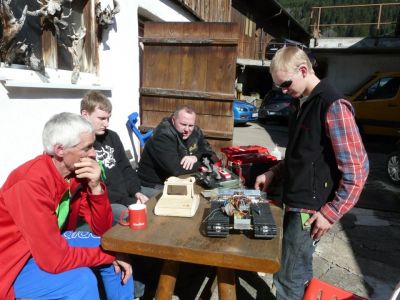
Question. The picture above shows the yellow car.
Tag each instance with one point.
(377, 104)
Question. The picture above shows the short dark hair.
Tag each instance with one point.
(186, 108)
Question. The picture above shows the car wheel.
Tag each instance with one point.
(393, 167)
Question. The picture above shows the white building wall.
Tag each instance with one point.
(24, 111)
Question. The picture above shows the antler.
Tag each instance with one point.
(62, 21)
(53, 13)
(117, 8)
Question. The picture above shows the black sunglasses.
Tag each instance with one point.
(285, 84)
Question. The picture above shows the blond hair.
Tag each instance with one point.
(289, 59)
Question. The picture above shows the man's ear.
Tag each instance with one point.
(303, 70)
(85, 113)
(59, 150)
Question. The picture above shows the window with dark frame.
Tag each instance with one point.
(384, 88)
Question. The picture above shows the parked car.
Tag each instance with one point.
(275, 106)
(244, 112)
(377, 104)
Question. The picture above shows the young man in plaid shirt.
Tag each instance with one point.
(324, 170)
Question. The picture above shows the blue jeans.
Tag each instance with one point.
(116, 210)
(150, 192)
(78, 283)
(296, 263)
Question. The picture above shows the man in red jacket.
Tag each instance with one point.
(40, 203)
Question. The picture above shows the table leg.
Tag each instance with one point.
(226, 284)
(166, 284)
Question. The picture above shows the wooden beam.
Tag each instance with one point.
(186, 94)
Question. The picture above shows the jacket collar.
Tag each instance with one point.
(173, 129)
(318, 89)
(60, 181)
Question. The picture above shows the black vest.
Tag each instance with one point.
(311, 172)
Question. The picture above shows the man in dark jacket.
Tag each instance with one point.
(176, 147)
(121, 179)
(324, 170)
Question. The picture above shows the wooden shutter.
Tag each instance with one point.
(190, 64)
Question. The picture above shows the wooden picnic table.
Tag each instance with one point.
(178, 239)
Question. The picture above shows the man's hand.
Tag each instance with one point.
(263, 181)
(188, 161)
(122, 265)
(90, 170)
(319, 224)
(141, 198)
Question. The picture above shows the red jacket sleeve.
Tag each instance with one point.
(95, 209)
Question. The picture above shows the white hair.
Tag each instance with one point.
(64, 129)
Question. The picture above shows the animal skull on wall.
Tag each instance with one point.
(106, 16)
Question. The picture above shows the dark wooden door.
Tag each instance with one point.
(190, 64)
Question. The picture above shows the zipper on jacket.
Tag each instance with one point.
(313, 181)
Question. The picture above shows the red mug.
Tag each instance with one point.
(137, 216)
